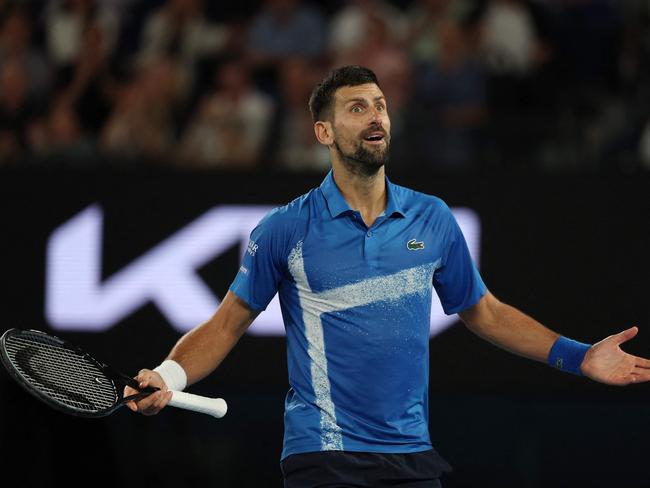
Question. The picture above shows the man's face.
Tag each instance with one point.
(361, 128)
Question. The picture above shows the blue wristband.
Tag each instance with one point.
(567, 355)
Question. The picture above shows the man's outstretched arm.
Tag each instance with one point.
(198, 352)
(514, 331)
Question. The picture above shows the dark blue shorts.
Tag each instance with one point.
(339, 469)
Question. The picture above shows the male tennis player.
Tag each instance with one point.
(354, 261)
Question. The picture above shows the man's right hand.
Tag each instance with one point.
(153, 403)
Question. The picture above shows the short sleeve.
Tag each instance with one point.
(457, 282)
(263, 264)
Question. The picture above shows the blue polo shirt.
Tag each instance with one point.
(356, 304)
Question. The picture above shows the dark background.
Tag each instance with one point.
(569, 250)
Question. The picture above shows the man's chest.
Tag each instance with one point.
(343, 252)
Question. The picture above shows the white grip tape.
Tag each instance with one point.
(216, 407)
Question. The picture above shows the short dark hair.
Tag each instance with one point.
(322, 97)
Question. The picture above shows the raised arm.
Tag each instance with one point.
(514, 331)
(199, 352)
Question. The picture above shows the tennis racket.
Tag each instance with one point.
(73, 382)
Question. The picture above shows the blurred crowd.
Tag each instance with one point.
(472, 85)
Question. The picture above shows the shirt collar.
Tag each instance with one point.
(337, 204)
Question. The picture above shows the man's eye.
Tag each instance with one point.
(356, 109)
(381, 108)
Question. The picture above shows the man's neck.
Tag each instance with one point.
(366, 194)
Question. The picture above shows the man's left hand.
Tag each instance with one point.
(607, 363)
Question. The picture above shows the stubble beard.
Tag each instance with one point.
(363, 162)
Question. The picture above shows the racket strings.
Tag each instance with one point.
(62, 374)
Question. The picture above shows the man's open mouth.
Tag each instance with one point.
(375, 137)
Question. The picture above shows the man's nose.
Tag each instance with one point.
(376, 116)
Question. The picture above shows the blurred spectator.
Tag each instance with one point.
(66, 22)
(356, 21)
(60, 138)
(295, 147)
(180, 28)
(510, 42)
(281, 30)
(17, 110)
(449, 105)
(286, 28)
(92, 88)
(380, 51)
(515, 55)
(564, 84)
(626, 145)
(572, 96)
(424, 18)
(141, 124)
(16, 31)
(231, 124)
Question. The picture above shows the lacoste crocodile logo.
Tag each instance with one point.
(414, 245)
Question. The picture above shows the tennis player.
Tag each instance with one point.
(354, 262)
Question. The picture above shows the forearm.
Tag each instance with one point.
(202, 350)
(510, 329)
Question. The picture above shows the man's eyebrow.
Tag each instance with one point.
(363, 100)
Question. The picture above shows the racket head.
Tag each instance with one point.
(59, 374)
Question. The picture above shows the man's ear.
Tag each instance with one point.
(324, 132)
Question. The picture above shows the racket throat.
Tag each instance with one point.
(145, 392)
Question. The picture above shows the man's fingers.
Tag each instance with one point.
(148, 405)
(128, 391)
(164, 399)
(640, 376)
(154, 403)
(641, 362)
(145, 378)
(626, 335)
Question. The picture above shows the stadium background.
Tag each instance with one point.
(547, 146)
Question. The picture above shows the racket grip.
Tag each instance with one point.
(216, 407)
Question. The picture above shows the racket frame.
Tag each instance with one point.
(116, 378)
